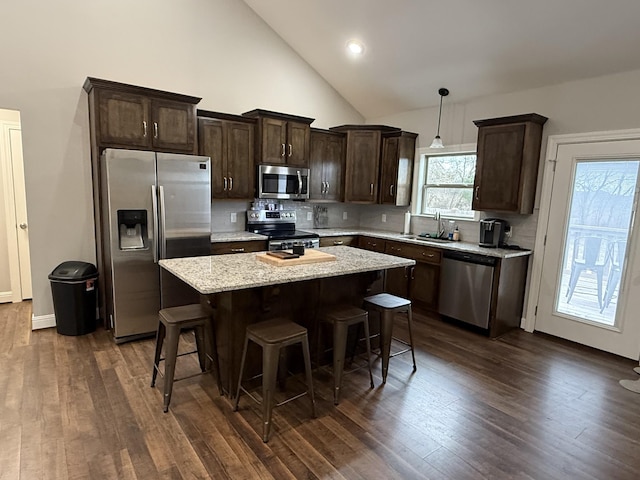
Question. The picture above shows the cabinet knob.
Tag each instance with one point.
(23, 226)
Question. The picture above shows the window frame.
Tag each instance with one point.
(420, 176)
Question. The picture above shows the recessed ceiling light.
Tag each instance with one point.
(355, 47)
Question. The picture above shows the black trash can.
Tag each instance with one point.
(74, 286)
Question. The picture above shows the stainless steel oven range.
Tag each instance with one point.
(280, 227)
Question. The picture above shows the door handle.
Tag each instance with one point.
(23, 226)
(477, 191)
(163, 240)
(391, 190)
(155, 129)
(230, 183)
(290, 150)
(327, 190)
(283, 150)
(154, 209)
(225, 183)
(371, 190)
(144, 128)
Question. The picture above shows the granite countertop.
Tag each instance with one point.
(223, 273)
(467, 247)
(236, 237)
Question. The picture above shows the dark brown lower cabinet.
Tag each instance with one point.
(347, 240)
(223, 248)
(421, 282)
(371, 243)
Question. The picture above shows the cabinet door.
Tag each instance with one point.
(123, 120)
(373, 244)
(397, 281)
(498, 168)
(240, 168)
(362, 162)
(333, 169)
(337, 241)
(273, 143)
(326, 159)
(211, 144)
(389, 170)
(424, 285)
(174, 126)
(298, 144)
(317, 154)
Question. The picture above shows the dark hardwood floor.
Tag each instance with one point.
(521, 406)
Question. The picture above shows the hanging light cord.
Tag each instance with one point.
(439, 115)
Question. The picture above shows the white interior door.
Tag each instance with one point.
(590, 279)
(15, 208)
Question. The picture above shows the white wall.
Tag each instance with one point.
(215, 49)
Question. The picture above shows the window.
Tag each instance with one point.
(447, 184)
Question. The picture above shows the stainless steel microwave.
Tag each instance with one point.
(282, 182)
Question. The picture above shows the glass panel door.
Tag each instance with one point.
(596, 239)
(591, 258)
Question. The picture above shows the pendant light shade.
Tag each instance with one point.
(437, 141)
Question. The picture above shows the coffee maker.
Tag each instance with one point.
(492, 232)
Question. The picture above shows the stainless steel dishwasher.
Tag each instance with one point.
(466, 283)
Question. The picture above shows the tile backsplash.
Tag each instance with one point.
(378, 217)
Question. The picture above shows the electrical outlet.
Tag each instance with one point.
(509, 232)
(384, 218)
(234, 217)
(344, 215)
(309, 216)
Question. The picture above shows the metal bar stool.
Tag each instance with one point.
(341, 318)
(172, 321)
(272, 336)
(387, 306)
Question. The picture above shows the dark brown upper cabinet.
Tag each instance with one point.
(229, 141)
(281, 138)
(326, 164)
(127, 116)
(507, 163)
(396, 171)
(363, 160)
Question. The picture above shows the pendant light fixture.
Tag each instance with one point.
(437, 141)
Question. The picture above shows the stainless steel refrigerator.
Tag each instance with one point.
(154, 206)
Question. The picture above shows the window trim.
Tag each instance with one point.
(419, 176)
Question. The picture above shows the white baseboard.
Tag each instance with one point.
(43, 321)
(6, 297)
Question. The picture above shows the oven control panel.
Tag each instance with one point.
(288, 244)
(260, 216)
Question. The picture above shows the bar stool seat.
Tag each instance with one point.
(172, 322)
(272, 336)
(341, 317)
(387, 306)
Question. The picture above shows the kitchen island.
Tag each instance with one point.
(243, 290)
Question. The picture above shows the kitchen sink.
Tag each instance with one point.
(429, 239)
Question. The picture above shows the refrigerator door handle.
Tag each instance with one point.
(163, 240)
(154, 206)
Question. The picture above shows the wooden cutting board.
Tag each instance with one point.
(310, 256)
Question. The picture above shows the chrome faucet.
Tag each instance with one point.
(439, 225)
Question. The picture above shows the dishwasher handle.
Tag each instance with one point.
(470, 258)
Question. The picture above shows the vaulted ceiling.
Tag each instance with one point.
(472, 47)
